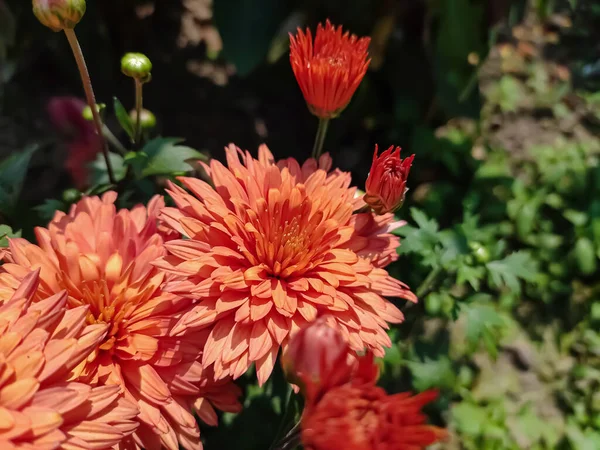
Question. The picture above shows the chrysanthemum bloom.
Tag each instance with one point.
(40, 343)
(319, 359)
(330, 69)
(364, 417)
(386, 184)
(270, 248)
(103, 259)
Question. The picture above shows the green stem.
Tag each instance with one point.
(320, 138)
(91, 98)
(429, 283)
(112, 139)
(139, 99)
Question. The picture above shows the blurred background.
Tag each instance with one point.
(499, 101)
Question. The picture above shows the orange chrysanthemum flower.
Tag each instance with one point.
(40, 343)
(330, 70)
(364, 417)
(270, 248)
(102, 258)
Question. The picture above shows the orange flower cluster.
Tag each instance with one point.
(99, 262)
(342, 402)
(120, 326)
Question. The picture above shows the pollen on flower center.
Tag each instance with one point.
(104, 308)
(289, 242)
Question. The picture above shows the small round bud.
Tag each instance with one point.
(71, 196)
(147, 119)
(136, 65)
(59, 14)
(87, 111)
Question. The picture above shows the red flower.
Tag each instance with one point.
(386, 184)
(82, 142)
(319, 358)
(364, 417)
(330, 70)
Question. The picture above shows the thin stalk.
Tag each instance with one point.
(320, 138)
(139, 100)
(91, 98)
(429, 283)
(112, 139)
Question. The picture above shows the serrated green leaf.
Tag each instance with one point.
(123, 118)
(471, 275)
(165, 157)
(7, 232)
(508, 271)
(483, 325)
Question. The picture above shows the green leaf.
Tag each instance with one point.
(12, 175)
(123, 118)
(470, 419)
(165, 157)
(508, 271)
(247, 28)
(5, 233)
(483, 324)
(471, 275)
(432, 373)
(99, 172)
(47, 209)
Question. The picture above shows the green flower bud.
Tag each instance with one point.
(137, 65)
(87, 111)
(147, 119)
(71, 196)
(482, 254)
(59, 14)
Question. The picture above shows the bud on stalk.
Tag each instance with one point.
(59, 15)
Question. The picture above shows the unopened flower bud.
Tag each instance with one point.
(71, 196)
(59, 14)
(147, 119)
(318, 358)
(87, 111)
(137, 65)
(386, 184)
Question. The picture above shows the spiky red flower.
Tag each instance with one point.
(386, 184)
(40, 344)
(330, 69)
(103, 259)
(364, 417)
(270, 247)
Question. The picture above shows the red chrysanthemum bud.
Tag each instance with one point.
(366, 418)
(318, 358)
(386, 184)
(330, 69)
(59, 14)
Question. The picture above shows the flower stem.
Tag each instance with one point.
(139, 99)
(320, 138)
(91, 98)
(429, 283)
(112, 139)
